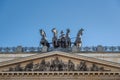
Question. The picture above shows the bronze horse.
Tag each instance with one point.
(63, 41)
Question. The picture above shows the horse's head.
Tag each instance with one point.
(42, 33)
(54, 31)
(80, 32)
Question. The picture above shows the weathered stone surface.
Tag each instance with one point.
(75, 49)
(73, 61)
(63, 59)
(59, 76)
(44, 49)
(113, 57)
(100, 48)
(19, 49)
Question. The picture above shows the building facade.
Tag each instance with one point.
(57, 65)
(61, 61)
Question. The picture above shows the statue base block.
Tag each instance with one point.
(19, 49)
(75, 49)
(44, 49)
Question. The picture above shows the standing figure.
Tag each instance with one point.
(18, 68)
(94, 67)
(82, 66)
(78, 41)
(44, 41)
(71, 66)
(42, 65)
(29, 66)
(62, 39)
(54, 39)
(68, 40)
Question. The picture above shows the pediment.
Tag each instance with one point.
(58, 61)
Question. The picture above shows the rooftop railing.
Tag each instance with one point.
(115, 49)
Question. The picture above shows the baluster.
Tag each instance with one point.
(112, 48)
(94, 49)
(31, 49)
(87, 48)
(13, 49)
(24, 49)
(118, 48)
(1, 49)
(7, 49)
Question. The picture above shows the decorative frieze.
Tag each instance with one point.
(57, 64)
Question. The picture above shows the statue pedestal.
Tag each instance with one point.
(44, 49)
(19, 49)
(100, 48)
(75, 49)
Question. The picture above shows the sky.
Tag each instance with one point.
(20, 21)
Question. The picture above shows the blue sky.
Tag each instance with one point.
(20, 21)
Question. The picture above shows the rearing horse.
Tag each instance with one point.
(54, 39)
(78, 41)
(68, 40)
(44, 41)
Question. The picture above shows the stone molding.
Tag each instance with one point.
(113, 57)
(81, 57)
(60, 75)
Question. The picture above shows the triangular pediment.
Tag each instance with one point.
(56, 60)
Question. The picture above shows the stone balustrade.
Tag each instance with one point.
(115, 49)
